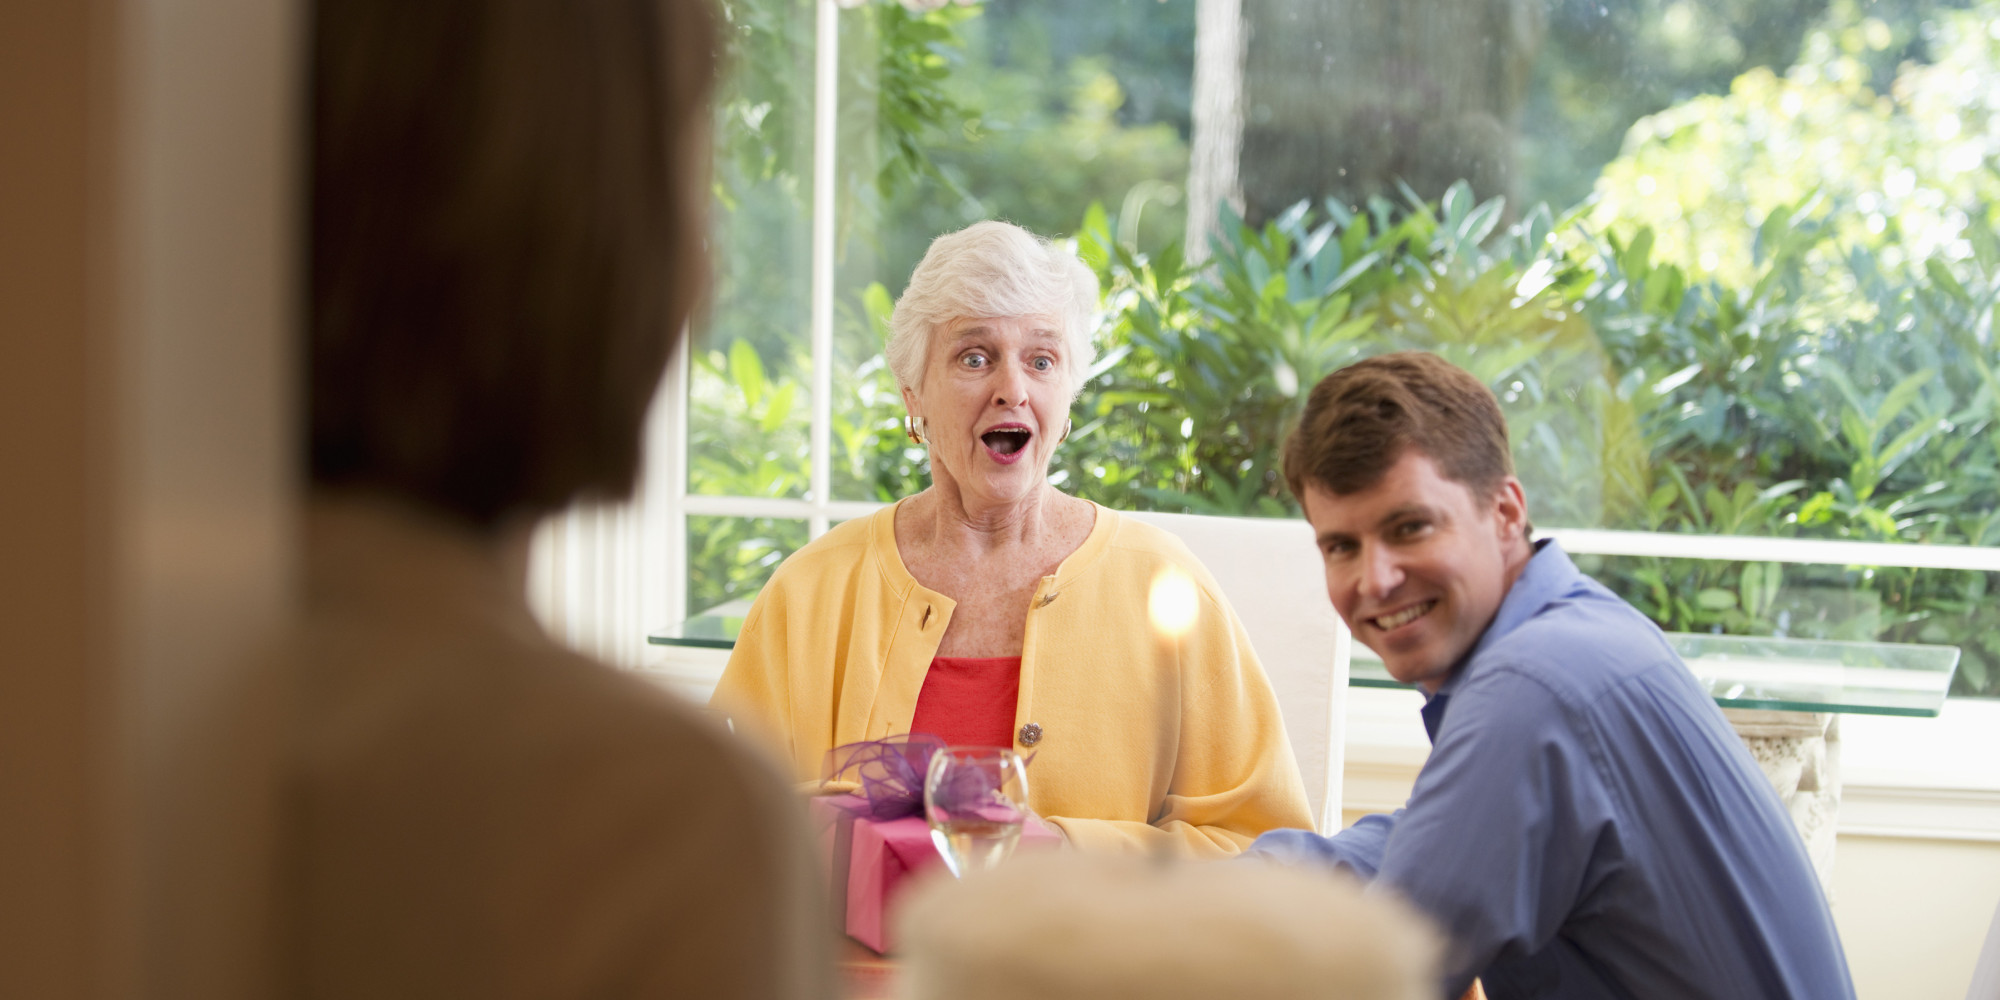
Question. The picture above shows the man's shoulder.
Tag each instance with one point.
(1586, 671)
(1578, 644)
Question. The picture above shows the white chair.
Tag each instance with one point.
(1986, 974)
(1270, 571)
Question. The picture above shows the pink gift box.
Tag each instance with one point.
(880, 854)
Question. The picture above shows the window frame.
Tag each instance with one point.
(819, 509)
(1956, 735)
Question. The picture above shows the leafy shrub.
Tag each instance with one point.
(1639, 399)
(1664, 366)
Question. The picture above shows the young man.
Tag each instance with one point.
(1587, 825)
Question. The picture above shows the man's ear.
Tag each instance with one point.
(1510, 509)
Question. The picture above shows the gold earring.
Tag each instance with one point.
(914, 428)
(1067, 424)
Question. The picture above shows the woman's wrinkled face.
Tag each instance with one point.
(995, 397)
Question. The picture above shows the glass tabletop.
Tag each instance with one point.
(1793, 675)
(715, 628)
(703, 631)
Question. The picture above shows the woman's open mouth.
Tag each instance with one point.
(1006, 444)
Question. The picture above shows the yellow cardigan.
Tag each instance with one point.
(1146, 740)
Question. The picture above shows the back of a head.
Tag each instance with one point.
(1062, 925)
(1362, 419)
(506, 215)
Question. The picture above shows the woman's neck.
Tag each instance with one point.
(942, 517)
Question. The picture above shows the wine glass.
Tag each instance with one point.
(976, 799)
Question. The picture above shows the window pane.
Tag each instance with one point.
(1730, 267)
(1856, 604)
(750, 385)
(729, 558)
(1046, 108)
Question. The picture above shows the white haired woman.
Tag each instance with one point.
(992, 609)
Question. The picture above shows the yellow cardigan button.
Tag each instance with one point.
(1031, 734)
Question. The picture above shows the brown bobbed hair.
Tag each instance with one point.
(1362, 419)
(506, 241)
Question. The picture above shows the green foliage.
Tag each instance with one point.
(1776, 318)
(1903, 171)
(1603, 66)
(1639, 399)
(911, 59)
(1841, 339)
(896, 104)
(1766, 413)
(1045, 129)
(745, 438)
(873, 458)
(1214, 364)
(901, 89)
(729, 558)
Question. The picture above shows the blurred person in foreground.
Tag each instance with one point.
(1587, 825)
(1067, 925)
(506, 223)
(992, 609)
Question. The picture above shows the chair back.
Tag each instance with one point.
(1270, 572)
(1986, 974)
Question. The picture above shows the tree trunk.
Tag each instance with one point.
(1343, 98)
(1217, 126)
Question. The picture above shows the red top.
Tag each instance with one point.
(969, 700)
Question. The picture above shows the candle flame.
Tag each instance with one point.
(1173, 603)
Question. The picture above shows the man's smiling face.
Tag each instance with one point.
(1417, 564)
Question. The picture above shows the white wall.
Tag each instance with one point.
(1913, 913)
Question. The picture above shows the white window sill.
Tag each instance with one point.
(1908, 778)
(1936, 778)
(688, 671)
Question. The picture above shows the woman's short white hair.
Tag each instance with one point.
(987, 270)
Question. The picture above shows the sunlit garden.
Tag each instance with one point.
(1738, 278)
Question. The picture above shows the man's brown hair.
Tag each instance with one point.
(506, 221)
(1362, 419)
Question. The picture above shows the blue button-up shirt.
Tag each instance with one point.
(1588, 825)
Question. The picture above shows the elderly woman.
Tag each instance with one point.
(993, 609)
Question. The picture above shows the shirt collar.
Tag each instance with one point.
(1548, 575)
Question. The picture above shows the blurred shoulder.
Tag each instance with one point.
(466, 690)
(577, 692)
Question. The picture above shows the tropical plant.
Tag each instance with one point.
(742, 441)
(1664, 366)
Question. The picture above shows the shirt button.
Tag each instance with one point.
(1031, 734)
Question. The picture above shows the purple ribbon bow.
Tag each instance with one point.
(891, 771)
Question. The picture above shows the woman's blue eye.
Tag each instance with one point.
(975, 361)
(1043, 364)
